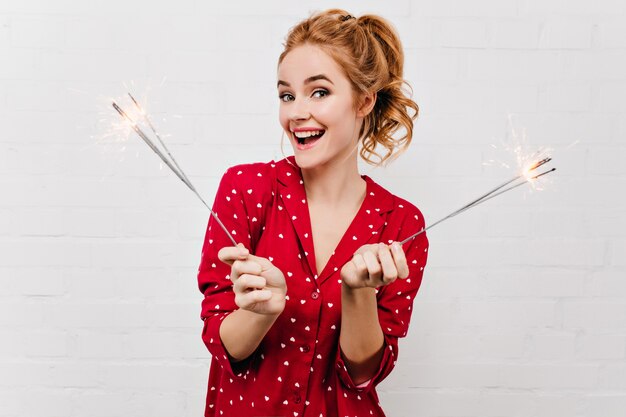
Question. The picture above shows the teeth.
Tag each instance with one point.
(307, 134)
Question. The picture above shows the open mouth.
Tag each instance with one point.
(308, 138)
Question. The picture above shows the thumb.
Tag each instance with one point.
(243, 251)
(229, 254)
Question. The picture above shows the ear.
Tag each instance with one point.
(367, 104)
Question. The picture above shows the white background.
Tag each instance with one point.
(522, 311)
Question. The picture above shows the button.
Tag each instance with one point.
(305, 348)
(315, 295)
(297, 399)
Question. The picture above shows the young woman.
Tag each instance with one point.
(303, 316)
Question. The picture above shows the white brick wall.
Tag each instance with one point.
(523, 307)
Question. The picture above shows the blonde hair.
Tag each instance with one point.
(369, 51)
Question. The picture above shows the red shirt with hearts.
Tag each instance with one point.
(298, 369)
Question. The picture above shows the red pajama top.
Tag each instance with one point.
(298, 370)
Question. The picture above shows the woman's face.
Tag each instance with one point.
(316, 107)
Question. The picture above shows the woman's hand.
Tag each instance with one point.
(259, 286)
(375, 265)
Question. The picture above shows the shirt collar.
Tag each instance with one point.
(365, 228)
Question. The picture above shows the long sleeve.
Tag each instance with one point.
(239, 205)
(395, 303)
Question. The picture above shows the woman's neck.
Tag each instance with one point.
(334, 185)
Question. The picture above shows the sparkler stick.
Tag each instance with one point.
(148, 142)
(504, 184)
(489, 195)
(511, 187)
(147, 119)
(176, 169)
(503, 191)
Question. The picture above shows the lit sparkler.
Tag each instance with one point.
(526, 176)
(171, 164)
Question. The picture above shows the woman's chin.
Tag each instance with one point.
(305, 161)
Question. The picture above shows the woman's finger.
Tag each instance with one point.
(263, 262)
(399, 258)
(390, 273)
(240, 267)
(360, 270)
(373, 267)
(228, 254)
(246, 300)
(248, 282)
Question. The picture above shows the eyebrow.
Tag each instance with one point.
(307, 81)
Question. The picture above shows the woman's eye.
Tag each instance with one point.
(285, 97)
(320, 93)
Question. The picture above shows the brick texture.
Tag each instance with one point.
(522, 311)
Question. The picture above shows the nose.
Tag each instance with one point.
(299, 110)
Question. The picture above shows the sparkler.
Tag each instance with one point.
(173, 165)
(524, 177)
